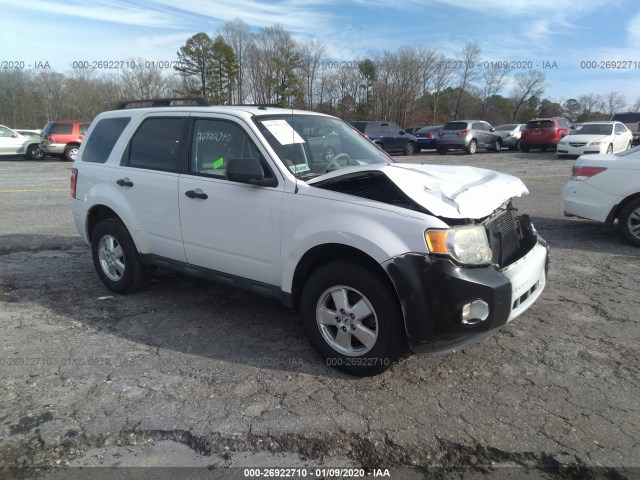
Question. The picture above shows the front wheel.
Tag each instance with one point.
(116, 258)
(610, 149)
(497, 145)
(630, 222)
(352, 319)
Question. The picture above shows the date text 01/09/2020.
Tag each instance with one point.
(316, 473)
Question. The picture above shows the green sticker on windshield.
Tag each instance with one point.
(218, 163)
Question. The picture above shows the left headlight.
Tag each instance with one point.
(468, 245)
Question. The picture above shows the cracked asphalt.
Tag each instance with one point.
(193, 373)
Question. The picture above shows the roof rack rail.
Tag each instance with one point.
(259, 105)
(163, 102)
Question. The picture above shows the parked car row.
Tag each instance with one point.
(57, 139)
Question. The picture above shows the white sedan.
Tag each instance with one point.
(595, 137)
(605, 188)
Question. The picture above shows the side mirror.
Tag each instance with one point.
(401, 132)
(492, 129)
(247, 170)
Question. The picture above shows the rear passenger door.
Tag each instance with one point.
(147, 179)
(230, 227)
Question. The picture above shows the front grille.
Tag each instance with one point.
(508, 237)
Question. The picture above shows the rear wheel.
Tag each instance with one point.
(71, 152)
(116, 258)
(410, 148)
(473, 146)
(442, 151)
(524, 148)
(352, 319)
(34, 152)
(630, 222)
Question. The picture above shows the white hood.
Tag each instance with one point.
(446, 190)
(575, 138)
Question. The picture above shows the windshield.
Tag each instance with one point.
(593, 129)
(311, 145)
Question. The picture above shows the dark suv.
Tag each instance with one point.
(63, 139)
(388, 136)
(632, 122)
(544, 133)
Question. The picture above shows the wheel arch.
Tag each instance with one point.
(617, 209)
(317, 257)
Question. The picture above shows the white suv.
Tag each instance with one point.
(374, 254)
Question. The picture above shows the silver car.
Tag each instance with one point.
(14, 143)
(511, 133)
(468, 135)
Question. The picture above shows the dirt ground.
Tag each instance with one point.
(189, 373)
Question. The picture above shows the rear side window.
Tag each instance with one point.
(83, 127)
(104, 136)
(61, 129)
(360, 126)
(156, 144)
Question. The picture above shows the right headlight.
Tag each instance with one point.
(467, 245)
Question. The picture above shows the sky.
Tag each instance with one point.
(577, 41)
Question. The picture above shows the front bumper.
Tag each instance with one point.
(568, 149)
(432, 292)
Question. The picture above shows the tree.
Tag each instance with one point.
(223, 72)
(549, 108)
(636, 106)
(236, 33)
(571, 109)
(527, 85)
(467, 72)
(493, 79)
(194, 59)
(614, 102)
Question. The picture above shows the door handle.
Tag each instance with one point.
(125, 182)
(197, 193)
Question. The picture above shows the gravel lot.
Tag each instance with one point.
(192, 373)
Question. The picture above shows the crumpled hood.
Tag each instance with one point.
(450, 191)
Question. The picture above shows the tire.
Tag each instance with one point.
(561, 156)
(116, 258)
(418, 149)
(523, 148)
(442, 151)
(410, 148)
(34, 152)
(629, 222)
(338, 332)
(71, 152)
(543, 149)
(629, 145)
(610, 149)
(329, 153)
(497, 145)
(473, 146)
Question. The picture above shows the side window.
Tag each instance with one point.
(620, 128)
(156, 144)
(5, 132)
(385, 130)
(61, 129)
(104, 136)
(83, 127)
(216, 142)
(478, 126)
